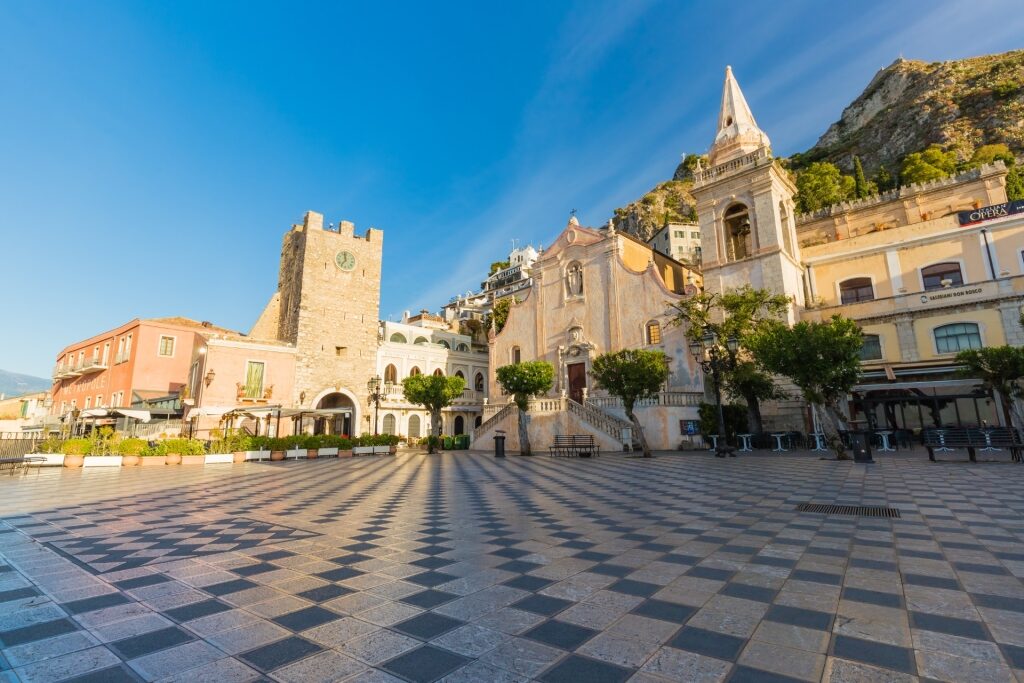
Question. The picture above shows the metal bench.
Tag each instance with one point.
(12, 464)
(579, 445)
(973, 440)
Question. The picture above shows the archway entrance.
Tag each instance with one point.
(339, 424)
(460, 425)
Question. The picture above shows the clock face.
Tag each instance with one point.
(345, 260)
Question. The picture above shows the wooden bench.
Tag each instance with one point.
(580, 445)
(973, 440)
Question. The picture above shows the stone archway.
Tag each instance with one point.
(342, 424)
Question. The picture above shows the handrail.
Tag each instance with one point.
(609, 424)
(494, 419)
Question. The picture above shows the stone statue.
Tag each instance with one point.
(574, 279)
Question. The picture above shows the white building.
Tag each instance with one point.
(511, 280)
(424, 344)
(680, 241)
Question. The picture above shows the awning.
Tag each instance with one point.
(210, 411)
(142, 415)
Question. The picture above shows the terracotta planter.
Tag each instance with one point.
(130, 461)
(239, 456)
(173, 458)
(312, 454)
(153, 460)
(72, 461)
(393, 450)
(344, 453)
(277, 455)
(192, 459)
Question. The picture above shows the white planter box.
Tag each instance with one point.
(52, 459)
(102, 461)
(219, 458)
(362, 450)
(257, 455)
(295, 453)
(382, 450)
(327, 452)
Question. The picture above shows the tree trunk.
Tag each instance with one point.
(830, 426)
(639, 431)
(524, 433)
(753, 415)
(435, 418)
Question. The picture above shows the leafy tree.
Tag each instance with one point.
(931, 164)
(496, 266)
(821, 358)
(884, 180)
(735, 419)
(1000, 368)
(499, 313)
(738, 313)
(987, 154)
(433, 392)
(820, 185)
(523, 381)
(631, 374)
(1015, 184)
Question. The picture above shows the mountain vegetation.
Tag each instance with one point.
(914, 122)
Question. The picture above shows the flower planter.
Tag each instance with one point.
(192, 459)
(173, 458)
(362, 450)
(72, 461)
(239, 456)
(382, 450)
(102, 461)
(277, 456)
(153, 460)
(258, 455)
(295, 453)
(327, 452)
(392, 450)
(129, 460)
(345, 453)
(218, 459)
(312, 453)
(49, 459)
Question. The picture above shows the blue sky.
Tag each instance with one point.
(153, 154)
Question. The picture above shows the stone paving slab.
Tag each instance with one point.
(459, 567)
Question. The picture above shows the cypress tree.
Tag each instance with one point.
(860, 182)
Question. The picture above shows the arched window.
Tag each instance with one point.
(388, 427)
(460, 425)
(478, 381)
(458, 373)
(444, 344)
(957, 337)
(516, 355)
(942, 274)
(390, 374)
(421, 340)
(871, 349)
(574, 279)
(738, 243)
(399, 338)
(856, 289)
(439, 373)
(415, 371)
(414, 426)
(652, 332)
(462, 347)
(787, 240)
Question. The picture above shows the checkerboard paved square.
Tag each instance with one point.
(460, 567)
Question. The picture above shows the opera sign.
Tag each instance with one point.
(987, 213)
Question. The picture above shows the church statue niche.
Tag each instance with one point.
(574, 279)
(738, 244)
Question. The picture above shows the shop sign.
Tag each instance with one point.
(987, 213)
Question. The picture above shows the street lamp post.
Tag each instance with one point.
(373, 387)
(715, 359)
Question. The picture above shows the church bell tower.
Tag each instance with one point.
(745, 208)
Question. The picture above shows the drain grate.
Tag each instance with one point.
(855, 510)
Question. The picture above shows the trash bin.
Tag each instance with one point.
(499, 444)
(861, 442)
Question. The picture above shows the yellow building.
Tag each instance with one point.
(927, 270)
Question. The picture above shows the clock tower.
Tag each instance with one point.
(327, 306)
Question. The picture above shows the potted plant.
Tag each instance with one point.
(153, 455)
(344, 447)
(312, 444)
(221, 448)
(239, 445)
(296, 446)
(277, 447)
(174, 449)
(75, 451)
(327, 446)
(363, 445)
(258, 448)
(192, 452)
(131, 450)
(103, 446)
(50, 450)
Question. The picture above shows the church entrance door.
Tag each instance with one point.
(577, 381)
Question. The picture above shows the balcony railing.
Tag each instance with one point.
(90, 366)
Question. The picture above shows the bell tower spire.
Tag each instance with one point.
(738, 133)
